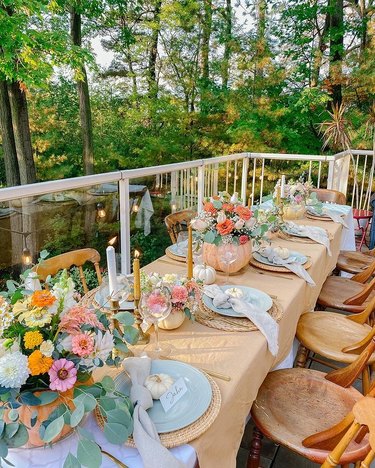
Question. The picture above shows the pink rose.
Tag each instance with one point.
(243, 239)
(179, 294)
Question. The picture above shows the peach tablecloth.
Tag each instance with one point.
(244, 356)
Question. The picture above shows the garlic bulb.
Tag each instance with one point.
(157, 384)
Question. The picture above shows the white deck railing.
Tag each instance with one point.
(350, 172)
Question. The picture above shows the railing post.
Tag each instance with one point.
(200, 188)
(124, 204)
(245, 170)
(331, 174)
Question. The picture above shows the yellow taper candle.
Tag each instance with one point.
(278, 195)
(190, 253)
(137, 276)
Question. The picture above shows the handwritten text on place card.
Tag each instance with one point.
(173, 394)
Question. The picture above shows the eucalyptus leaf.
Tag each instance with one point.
(77, 415)
(11, 429)
(88, 401)
(107, 403)
(20, 438)
(53, 429)
(125, 318)
(89, 454)
(71, 462)
(13, 415)
(33, 418)
(119, 416)
(2, 427)
(108, 384)
(115, 433)
(7, 462)
(131, 335)
(84, 433)
(47, 397)
(209, 237)
(29, 399)
(3, 449)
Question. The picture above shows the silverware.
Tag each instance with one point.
(113, 458)
(224, 320)
(277, 275)
(227, 378)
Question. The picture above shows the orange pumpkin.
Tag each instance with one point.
(211, 257)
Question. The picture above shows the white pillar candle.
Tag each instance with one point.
(282, 192)
(112, 274)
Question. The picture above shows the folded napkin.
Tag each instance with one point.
(333, 214)
(146, 438)
(289, 263)
(261, 319)
(315, 233)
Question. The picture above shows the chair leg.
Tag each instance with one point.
(366, 380)
(302, 355)
(253, 458)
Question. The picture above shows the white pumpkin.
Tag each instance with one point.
(157, 384)
(235, 292)
(204, 273)
(282, 252)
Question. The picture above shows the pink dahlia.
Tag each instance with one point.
(63, 375)
(82, 344)
(156, 302)
(179, 294)
(77, 316)
(243, 239)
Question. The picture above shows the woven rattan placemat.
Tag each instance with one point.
(190, 432)
(277, 269)
(171, 255)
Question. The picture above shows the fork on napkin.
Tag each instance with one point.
(290, 263)
(261, 319)
(145, 435)
(315, 233)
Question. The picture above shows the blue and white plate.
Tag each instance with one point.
(297, 232)
(293, 257)
(179, 249)
(334, 209)
(189, 408)
(250, 295)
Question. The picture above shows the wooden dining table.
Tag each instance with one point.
(244, 356)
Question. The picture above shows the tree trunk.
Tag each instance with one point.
(228, 44)
(261, 38)
(21, 132)
(336, 49)
(206, 36)
(152, 81)
(318, 54)
(9, 145)
(84, 98)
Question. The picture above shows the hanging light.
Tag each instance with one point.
(112, 241)
(100, 210)
(27, 258)
(135, 208)
(173, 206)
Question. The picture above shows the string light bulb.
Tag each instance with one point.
(27, 258)
(100, 210)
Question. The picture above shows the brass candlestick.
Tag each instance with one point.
(144, 338)
(115, 307)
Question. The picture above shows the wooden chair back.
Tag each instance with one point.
(360, 298)
(363, 421)
(364, 275)
(175, 222)
(331, 196)
(66, 260)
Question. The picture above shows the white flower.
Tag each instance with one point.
(47, 348)
(154, 278)
(14, 370)
(170, 278)
(221, 217)
(6, 315)
(103, 345)
(234, 198)
(64, 291)
(32, 282)
(198, 224)
(250, 223)
(239, 224)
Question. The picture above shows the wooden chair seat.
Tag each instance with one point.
(317, 404)
(337, 290)
(327, 333)
(353, 262)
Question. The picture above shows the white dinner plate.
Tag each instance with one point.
(179, 250)
(189, 408)
(251, 295)
(297, 257)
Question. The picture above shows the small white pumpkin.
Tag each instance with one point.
(282, 252)
(235, 292)
(157, 384)
(204, 273)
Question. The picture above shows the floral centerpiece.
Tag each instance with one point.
(184, 293)
(50, 346)
(295, 197)
(225, 220)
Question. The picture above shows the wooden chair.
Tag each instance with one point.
(354, 262)
(363, 415)
(292, 404)
(66, 260)
(331, 196)
(176, 221)
(336, 337)
(349, 295)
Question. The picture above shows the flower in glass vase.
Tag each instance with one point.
(49, 347)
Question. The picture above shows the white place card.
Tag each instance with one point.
(174, 393)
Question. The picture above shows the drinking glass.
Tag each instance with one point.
(227, 255)
(182, 238)
(197, 251)
(154, 307)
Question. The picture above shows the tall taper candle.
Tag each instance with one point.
(112, 274)
(137, 276)
(190, 253)
(278, 195)
(282, 194)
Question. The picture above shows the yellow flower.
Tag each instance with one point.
(36, 317)
(32, 339)
(39, 364)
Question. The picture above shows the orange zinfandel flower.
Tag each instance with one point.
(42, 299)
